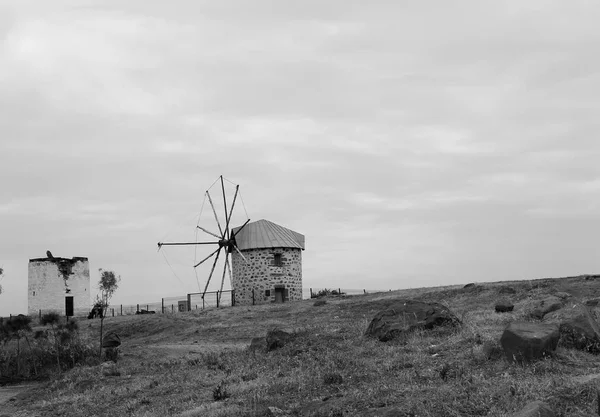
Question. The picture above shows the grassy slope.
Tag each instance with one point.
(175, 364)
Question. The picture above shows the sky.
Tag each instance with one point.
(414, 144)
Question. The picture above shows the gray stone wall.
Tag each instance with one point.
(50, 281)
(264, 277)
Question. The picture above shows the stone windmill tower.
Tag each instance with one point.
(58, 285)
(268, 266)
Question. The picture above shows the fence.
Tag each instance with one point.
(178, 304)
(340, 292)
(212, 299)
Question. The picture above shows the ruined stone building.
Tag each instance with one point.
(272, 271)
(58, 284)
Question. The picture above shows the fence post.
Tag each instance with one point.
(340, 292)
(189, 302)
(162, 305)
(121, 309)
(202, 301)
(113, 312)
(172, 309)
(217, 299)
(138, 308)
(40, 313)
(232, 298)
(311, 293)
(252, 296)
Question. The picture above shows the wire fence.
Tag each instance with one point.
(339, 292)
(176, 304)
(195, 301)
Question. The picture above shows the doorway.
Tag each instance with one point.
(69, 306)
(279, 295)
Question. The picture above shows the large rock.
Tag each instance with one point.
(535, 409)
(507, 290)
(258, 343)
(111, 340)
(407, 315)
(504, 306)
(545, 306)
(593, 302)
(525, 341)
(277, 339)
(581, 331)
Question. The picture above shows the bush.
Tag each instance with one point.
(44, 351)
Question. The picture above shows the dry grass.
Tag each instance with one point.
(198, 364)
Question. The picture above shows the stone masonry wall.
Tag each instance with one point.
(263, 276)
(50, 281)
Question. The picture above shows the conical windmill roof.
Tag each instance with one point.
(265, 234)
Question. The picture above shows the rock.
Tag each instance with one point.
(145, 312)
(274, 411)
(319, 303)
(525, 341)
(470, 285)
(258, 343)
(507, 290)
(562, 295)
(407, 315)
(111, 340)
(580, 331)
(591, 277)
(545, 306)
(504, 307)
(109, 369)
(535, 409)
(277, 339)
(593, 302)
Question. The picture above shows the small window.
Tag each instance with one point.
(277, 261)
(267, 293)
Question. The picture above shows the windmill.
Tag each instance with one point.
(224, 240)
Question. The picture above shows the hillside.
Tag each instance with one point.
(199, 364)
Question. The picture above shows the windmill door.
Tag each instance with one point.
(279, 295)
(69, 306)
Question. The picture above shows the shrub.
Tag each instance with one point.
(45, 351)
(220, 391)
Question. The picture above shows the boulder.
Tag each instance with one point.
(507, 290)
(470, 285)
(581, 331)
(111, 340)
(562, 295)
(593, 302)
(277, 339)
(407, 315)
(545, 306)
(258, 343)
(504, 307)
(526, 341)
(535, 409)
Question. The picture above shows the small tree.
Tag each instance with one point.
(108, 284)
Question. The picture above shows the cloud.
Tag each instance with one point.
(422, 142)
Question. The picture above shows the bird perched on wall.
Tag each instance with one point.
(49, 254)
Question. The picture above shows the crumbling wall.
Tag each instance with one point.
(51, 280)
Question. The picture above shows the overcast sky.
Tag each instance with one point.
(413, 143)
